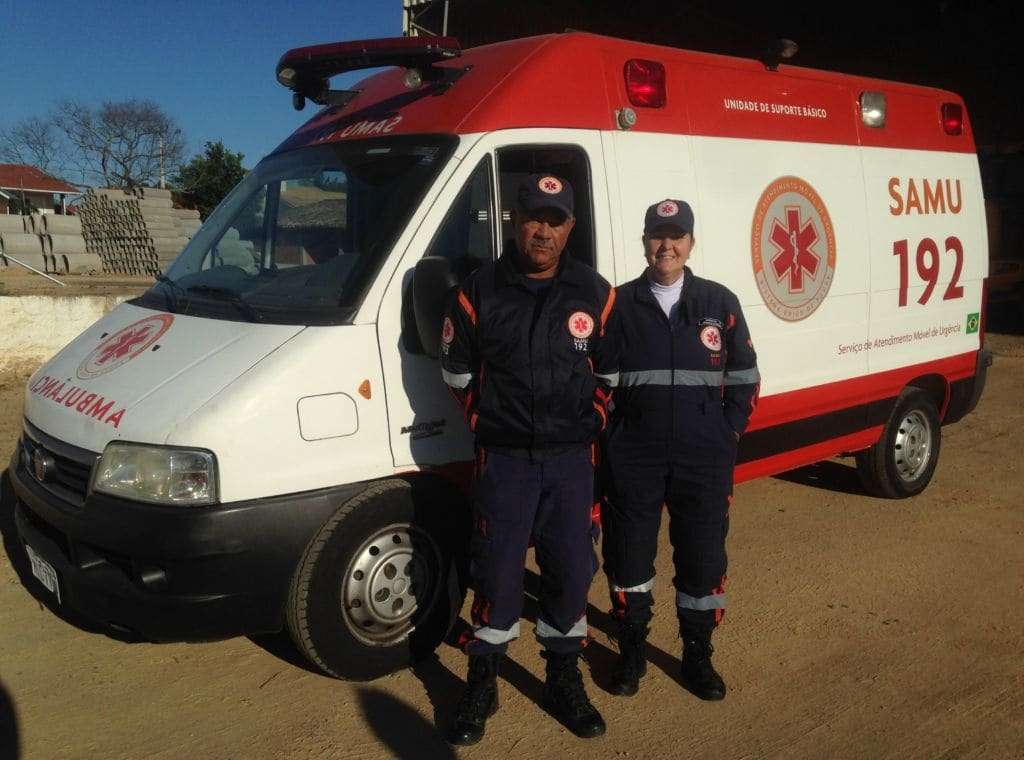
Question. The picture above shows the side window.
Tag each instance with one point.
(466, 237)
(566, 161)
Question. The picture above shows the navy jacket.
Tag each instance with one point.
(668, 370)
(533, 382)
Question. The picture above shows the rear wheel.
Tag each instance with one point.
(903, 461)
(379, 584)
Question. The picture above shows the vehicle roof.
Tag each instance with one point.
(575, 80)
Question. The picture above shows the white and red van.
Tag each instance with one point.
(262, 440)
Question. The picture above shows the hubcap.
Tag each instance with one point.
(913, 446)
(391, 576)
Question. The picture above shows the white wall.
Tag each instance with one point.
(34, 328)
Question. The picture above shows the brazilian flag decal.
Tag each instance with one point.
(973, 321)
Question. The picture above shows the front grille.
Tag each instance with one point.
(72, 475)
(59, 539)
(72, 467)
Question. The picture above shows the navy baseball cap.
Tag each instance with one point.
(545, 191)
(668, 211)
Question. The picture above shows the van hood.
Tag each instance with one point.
(136, 373)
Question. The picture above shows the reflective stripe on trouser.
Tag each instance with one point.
(641, 480)
(549, 501)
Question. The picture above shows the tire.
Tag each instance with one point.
(903, 461)
(378, 586)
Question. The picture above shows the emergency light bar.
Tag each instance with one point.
(306, 70)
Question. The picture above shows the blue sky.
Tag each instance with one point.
(210, 64)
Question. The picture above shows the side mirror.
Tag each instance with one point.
(431, 281)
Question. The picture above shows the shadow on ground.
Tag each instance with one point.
(281, 646)
(400, 728)
(828, 476)
(10, 742)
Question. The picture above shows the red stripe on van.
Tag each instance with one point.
(820, 399)
(789, 460)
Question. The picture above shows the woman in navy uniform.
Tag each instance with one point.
(688, 383)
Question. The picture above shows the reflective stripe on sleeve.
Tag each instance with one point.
(547, 631)
(712, 602)
(611, 378)
(496, 635)
(458, 380)
(711, 378)
(742, 376)
(637, 589)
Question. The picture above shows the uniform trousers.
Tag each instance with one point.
(693, 480)
(546, 501)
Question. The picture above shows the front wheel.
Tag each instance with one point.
(379, 584)
(903, 461)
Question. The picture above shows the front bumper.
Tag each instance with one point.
(171, 573)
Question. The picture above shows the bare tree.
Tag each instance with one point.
(34, 141)
(121, 144)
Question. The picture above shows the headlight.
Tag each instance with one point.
(157, 474)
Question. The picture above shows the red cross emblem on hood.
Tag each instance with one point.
(124, 344)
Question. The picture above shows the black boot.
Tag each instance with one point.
(566, 699)
(698, 675)
(479, 701)
(632, 664)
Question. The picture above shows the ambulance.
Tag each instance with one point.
(262, 441)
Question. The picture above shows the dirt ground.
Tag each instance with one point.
(857, 628)
(15, 281)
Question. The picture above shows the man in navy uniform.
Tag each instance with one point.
(688, 384)
(523, 350)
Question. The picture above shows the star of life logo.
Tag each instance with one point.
(711, 337)
(667, 209)
(581, 324)
(124, 345)
(550, 185)
(792, 248)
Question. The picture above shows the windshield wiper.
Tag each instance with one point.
(172, 288)
(231, 296)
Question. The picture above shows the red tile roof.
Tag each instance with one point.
(18, 176)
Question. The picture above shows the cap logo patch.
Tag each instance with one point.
(667, 209)
(550, 185)
(581, 324)
(447, 331)
(711, 337)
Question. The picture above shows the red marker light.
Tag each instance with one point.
(645, 83)
(953, 118)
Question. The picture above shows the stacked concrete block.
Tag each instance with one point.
(136, 231)
(188, 221)
(52, 243)
(25, 247)
(12, 223)
(66, 254)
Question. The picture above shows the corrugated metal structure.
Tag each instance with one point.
(683, 24)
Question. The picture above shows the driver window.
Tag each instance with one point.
(466, 237)
(242, 243)
(311, 220)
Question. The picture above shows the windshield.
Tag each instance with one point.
(300, 239)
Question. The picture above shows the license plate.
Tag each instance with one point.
(44, 572)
